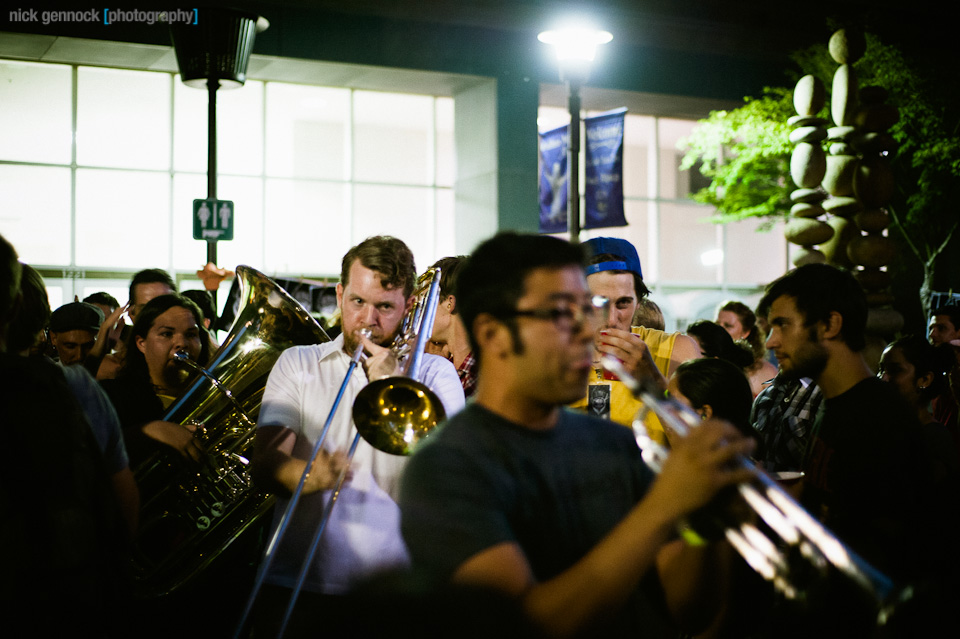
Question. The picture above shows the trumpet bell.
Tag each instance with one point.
(394, 413)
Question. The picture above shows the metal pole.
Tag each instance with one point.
(573, 163)
(212, 86)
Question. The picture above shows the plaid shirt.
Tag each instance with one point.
(468, 375)
(783, 415)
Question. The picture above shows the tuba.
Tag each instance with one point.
(190, 513)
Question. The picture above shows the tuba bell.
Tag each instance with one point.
(190, 513)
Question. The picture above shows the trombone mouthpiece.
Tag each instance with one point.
(181, 356)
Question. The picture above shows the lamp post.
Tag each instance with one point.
(575, 49)
(213, 54)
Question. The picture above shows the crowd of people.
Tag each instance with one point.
(531, 510)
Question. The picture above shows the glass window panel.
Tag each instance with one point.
(307, 227)
(392, 138)
(123, 219)
(637, 138)
(307, 131)
(35, 107)
(35, 212)
(123, 118)
(239, 129)
(403, 212)
(246, 247)
(120, 289)
(446, 226)
(674, 183)
(754, 257)
(59, 290)
(446, 151)
(686, 242)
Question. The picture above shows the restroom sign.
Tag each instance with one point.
(213, 220)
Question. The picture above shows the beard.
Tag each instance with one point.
(809, 360)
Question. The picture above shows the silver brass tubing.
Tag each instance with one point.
(773, 505)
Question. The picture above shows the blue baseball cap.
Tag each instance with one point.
(628, 260)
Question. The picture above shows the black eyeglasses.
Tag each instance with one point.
(571, 317)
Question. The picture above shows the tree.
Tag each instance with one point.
(746, 153)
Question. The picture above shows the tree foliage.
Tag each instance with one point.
(746, 152)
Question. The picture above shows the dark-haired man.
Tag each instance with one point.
(866, 474)
(362, 537)
(944, 324)
(613, 271)
(146, 285)
(73, 331)
(944, 331)
(553, 507)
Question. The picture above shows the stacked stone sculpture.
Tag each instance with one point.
(808, 166)
(850, 183)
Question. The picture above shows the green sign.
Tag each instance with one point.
(212, 220)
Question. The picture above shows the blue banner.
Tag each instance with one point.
(553, 180)
(603, 151)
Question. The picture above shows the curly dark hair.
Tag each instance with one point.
(493, 278)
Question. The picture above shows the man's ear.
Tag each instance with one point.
(706, 411)
(491, 336)
(340, 296)
(139, 342)
(924, 381)
(832, 326)
(451, 302)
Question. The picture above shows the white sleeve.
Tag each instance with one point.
(440, 376)
(281, 397)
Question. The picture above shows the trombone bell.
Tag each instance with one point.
(395, 413)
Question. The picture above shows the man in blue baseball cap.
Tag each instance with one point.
(614, 271)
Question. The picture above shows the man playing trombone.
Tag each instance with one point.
(362, 535)
(552, 507)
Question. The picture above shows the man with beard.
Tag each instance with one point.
(362, 536)
(865, 471)
(550, 507)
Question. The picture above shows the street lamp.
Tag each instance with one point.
(214, 54)
(575, 49)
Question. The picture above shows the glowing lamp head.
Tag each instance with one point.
(575, 44)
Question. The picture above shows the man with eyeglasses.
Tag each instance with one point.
(551, 507)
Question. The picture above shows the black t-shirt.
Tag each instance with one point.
(136, 405)
(64, 567)
(482, 480)
(866, 473)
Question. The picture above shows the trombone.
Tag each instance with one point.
(392, 414)
(789, 521)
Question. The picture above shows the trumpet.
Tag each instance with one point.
(795, 529)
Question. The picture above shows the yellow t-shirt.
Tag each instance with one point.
(623, 405)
